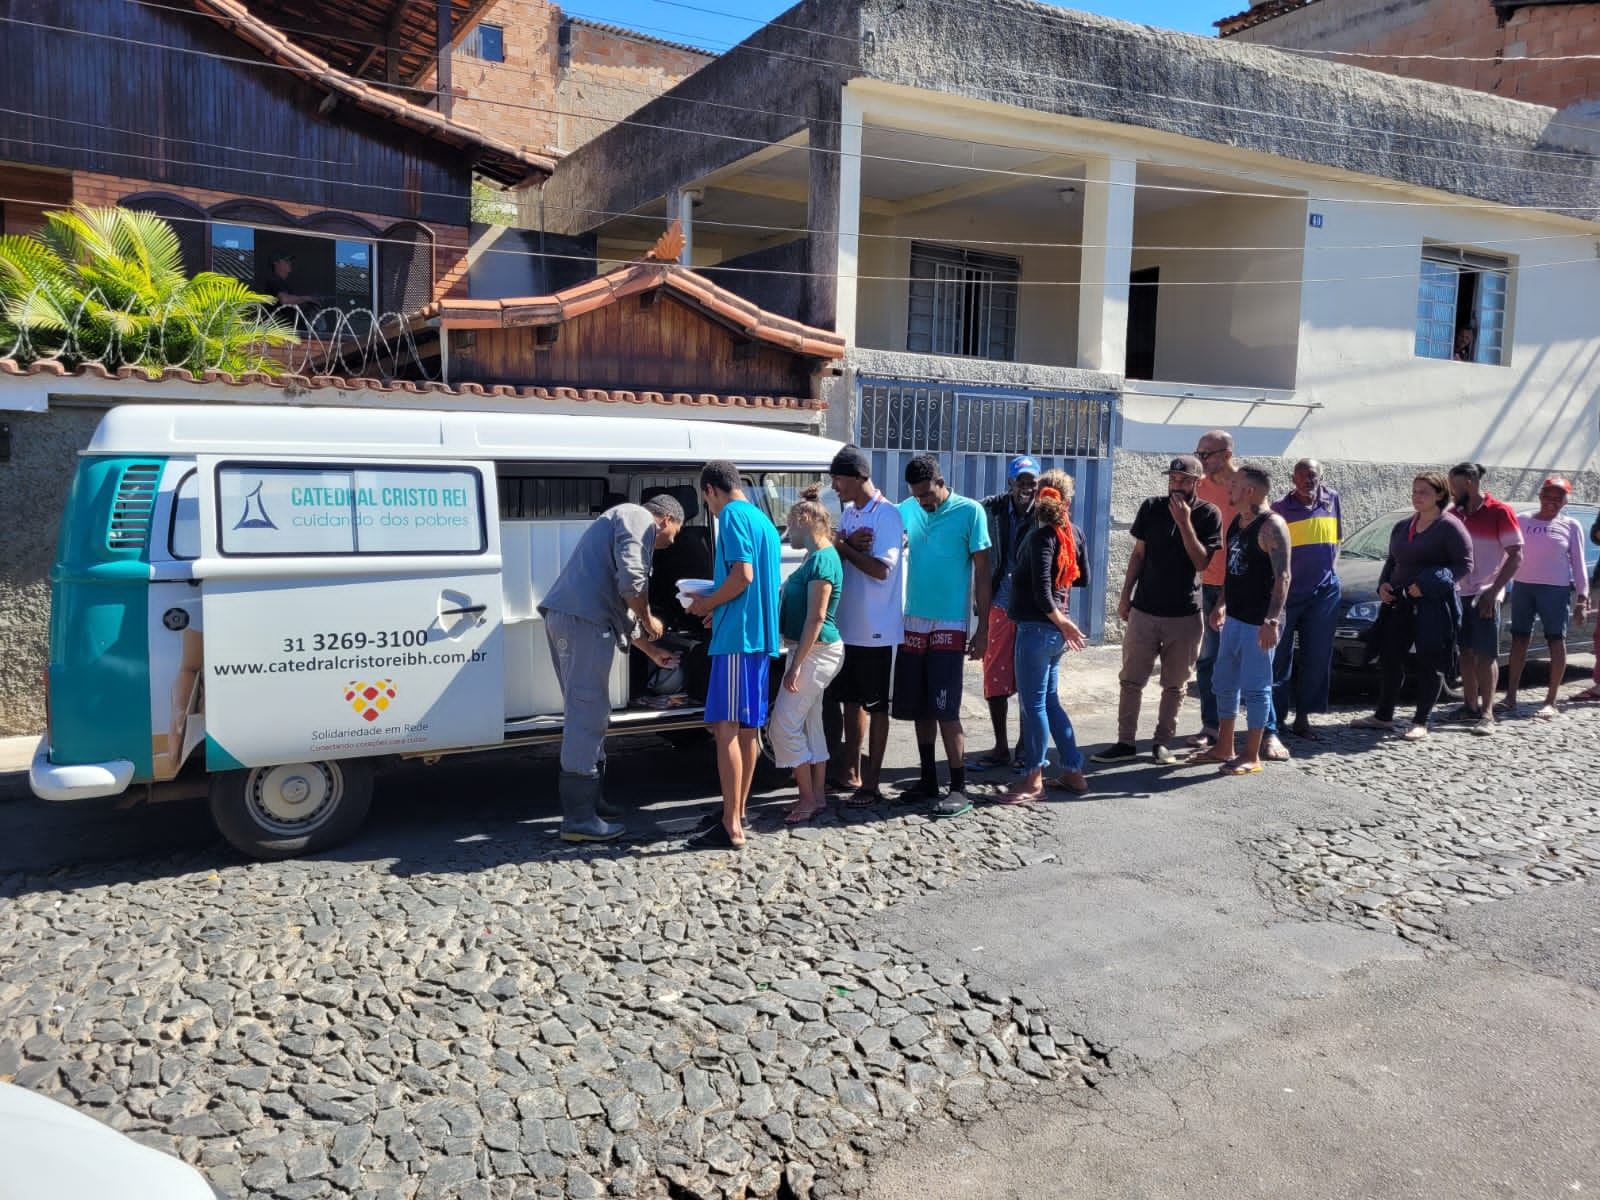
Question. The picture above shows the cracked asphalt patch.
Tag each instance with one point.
(508, 1017)
(1465, 821)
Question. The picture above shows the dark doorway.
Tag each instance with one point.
(1142, 288)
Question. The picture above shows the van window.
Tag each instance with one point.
(271, 509)
(778, 491)
(547, 498)
(183, 534)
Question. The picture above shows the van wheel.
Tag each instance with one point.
(293, 808)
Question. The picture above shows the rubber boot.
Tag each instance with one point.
(608, 810)
(579, 821)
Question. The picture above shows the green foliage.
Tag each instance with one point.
(107, 285)
(491, 206)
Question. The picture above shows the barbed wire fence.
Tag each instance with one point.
(87, 329)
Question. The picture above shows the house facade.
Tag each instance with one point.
(1531, 50)
(1039, 230)
(248, 140)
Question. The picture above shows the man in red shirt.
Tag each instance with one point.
(1496, 555)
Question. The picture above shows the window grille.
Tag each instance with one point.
(962, 303)
(1461, 305)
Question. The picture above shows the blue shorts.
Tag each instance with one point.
(1479, 635)
(1550, 602)
(738, 689)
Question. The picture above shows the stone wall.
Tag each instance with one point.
(1366, 490)
(33, 490)
(1521, 59)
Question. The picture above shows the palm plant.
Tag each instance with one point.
(107, 285)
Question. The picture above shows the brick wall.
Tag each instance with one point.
(26, 195)
(450, 241)
(553, 101)
(1455, 28)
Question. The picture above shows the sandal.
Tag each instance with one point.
(1016, 796)
(800, 816)
(1588, 693)
(1235, 767)
(988, 762)
(1209, 755)
(1069, 781)
(864, 798)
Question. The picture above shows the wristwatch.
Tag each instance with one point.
(1273, 621)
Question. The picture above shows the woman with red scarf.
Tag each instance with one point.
(1049, 564)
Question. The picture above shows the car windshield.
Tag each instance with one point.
(1372, 539)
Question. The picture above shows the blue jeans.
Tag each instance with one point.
(1205, 666)
(1243, 673)
(1314, 617)
(1038, 660)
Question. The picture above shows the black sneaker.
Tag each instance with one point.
(1161, 754)
(952, 805)
(1121, 752)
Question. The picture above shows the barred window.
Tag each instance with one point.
(962, 303)
(1461, 305)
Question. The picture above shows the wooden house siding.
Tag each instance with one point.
(172, 98)
(642, 343)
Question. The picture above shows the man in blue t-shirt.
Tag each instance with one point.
(947, 579)
(742, 610)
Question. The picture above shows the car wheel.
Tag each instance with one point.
(291, 808)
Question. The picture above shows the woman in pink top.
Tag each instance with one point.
(1552, 566)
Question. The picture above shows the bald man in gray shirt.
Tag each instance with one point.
(599, 605)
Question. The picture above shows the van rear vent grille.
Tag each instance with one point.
(134, 506)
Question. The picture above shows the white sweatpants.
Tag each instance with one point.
(795, 726)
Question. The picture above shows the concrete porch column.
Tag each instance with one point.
(1108, 195)
(833, 212)
(680, 208)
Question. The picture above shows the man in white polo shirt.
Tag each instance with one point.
(870, 621)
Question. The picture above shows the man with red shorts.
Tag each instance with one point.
(1010, 517)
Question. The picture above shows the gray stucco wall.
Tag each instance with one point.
(1366, 490)
(787, 76)
(33, 489)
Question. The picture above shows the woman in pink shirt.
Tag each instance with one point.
(1552, 566)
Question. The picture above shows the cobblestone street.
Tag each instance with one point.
(459, 1005)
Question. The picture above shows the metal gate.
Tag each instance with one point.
(975, 433)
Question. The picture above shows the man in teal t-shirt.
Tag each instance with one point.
(947, 576)
(742, 609)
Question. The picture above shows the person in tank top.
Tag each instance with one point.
(1247, 618)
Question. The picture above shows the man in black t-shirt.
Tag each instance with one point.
(1174, 537)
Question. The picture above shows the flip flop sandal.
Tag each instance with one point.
(1015, 799)
(798, 816)
(1231, 768)
(1201, 757)
(862, 798)
(986, 762)
(1587, 694)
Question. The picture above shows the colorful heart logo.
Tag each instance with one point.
(369, 700)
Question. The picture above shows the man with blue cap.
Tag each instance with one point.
(1010, 517)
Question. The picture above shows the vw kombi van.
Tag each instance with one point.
(266, 604)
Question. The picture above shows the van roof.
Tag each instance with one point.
(320, 432)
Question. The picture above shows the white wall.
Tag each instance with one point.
(1227, 313)
(1047, 310)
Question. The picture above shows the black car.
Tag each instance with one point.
(1361, 562)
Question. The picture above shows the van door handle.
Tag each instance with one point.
(470, 610)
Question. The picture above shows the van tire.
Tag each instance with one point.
(254, 808)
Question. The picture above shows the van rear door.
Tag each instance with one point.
(351, 608)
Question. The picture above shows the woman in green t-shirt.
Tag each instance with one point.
(805, 619)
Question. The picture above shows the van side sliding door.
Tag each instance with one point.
(351, 608)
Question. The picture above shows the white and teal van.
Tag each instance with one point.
(265, 604)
